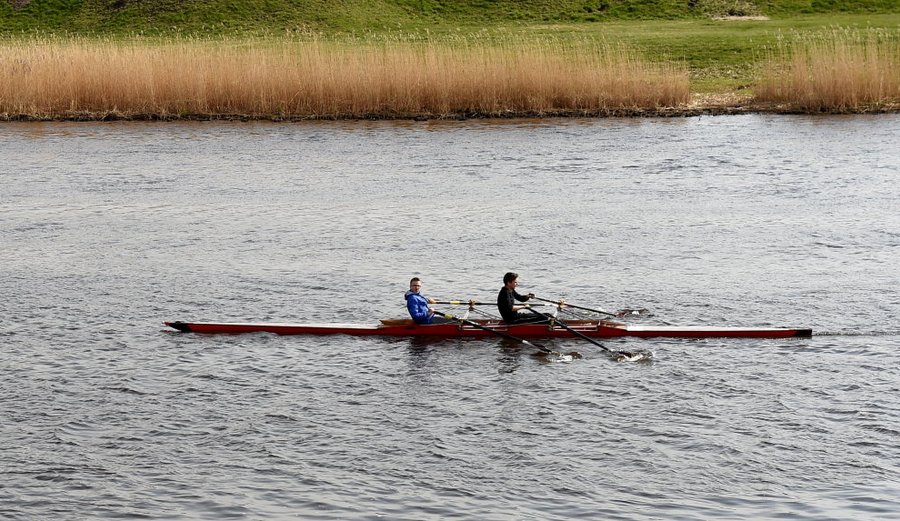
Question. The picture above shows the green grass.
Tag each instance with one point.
(721, 55)
(219, 17)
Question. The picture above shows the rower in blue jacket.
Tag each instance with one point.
(418, 304)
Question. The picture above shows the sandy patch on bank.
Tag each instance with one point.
(740, 18)
(719, 100)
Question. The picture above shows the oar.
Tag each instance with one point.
(494, 331)
(618, 354)
(469, 303)
(559, 302)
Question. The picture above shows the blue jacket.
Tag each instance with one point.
(418, 308)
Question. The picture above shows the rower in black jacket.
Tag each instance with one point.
(506, 302)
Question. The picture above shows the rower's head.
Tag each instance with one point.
(415, 284)
(511, 280)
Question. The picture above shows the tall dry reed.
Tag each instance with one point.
(839, 71)
(71, 77)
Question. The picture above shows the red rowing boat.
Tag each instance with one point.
(406, 327)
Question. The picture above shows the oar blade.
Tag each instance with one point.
(556, 356)
(632, 356)
(636, 312)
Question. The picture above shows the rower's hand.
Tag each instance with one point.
(431, 300)
(530, 296)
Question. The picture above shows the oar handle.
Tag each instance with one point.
(470, 303)
(566, 304)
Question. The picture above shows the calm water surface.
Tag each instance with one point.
(106, 230)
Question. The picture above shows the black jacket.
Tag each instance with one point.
(505, 301)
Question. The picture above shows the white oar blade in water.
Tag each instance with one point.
(635, 356)
(557, 357)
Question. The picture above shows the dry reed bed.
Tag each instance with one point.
(78, 77)
(838, 71)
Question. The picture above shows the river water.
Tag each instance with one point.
(108, 229)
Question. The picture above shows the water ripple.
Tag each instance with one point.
(760, 221)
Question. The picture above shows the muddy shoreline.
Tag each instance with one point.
(664, 112)
(701, 105)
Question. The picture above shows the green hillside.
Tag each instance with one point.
(215, 17)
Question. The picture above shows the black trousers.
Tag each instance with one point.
(529, 318)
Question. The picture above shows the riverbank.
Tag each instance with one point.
(496, 75)
(702, 105)
(280, 78)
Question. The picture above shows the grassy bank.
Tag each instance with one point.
(834, 71)
(219, 18)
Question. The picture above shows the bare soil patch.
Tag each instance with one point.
(757, 18)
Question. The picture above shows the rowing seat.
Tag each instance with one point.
(398, 322)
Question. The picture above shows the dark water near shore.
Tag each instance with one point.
(109, 229)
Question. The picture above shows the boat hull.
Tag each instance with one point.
(401, 328)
